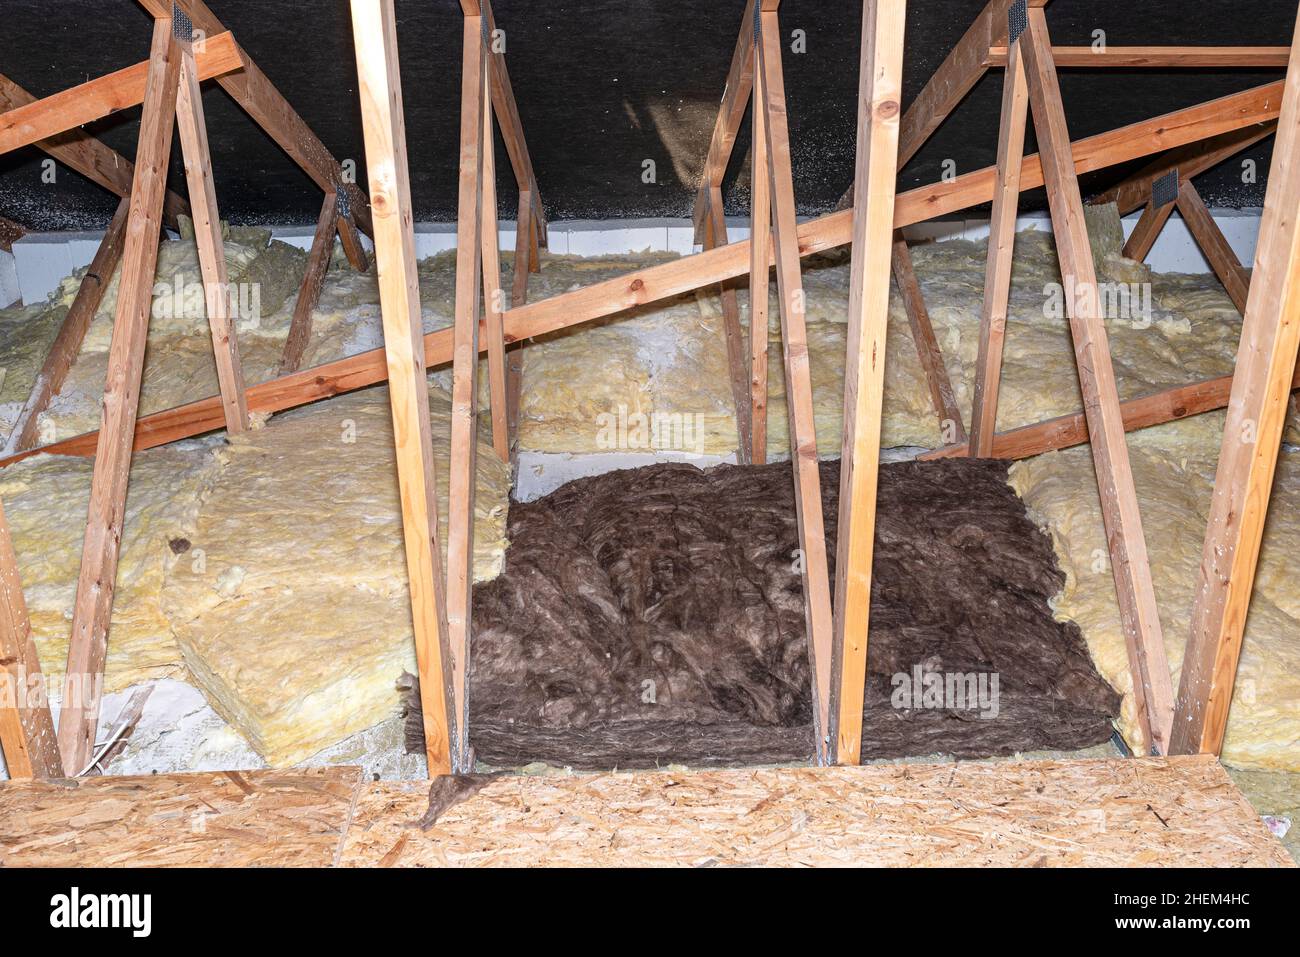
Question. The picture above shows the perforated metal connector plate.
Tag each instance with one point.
(343, 204)
(1017, 20)
(182, 26)
(758, 21)
(1165, 189)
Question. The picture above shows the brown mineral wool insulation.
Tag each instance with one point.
(1173, 471)
(656, 615)
(299, 616)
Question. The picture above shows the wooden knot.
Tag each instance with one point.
(637, 285)
(887, 110)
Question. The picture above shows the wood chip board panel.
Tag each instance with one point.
(1140, 812)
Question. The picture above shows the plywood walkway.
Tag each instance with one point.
(1149, 811)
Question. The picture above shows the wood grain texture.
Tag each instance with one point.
(313, 280)
(760, 269)
(942, 396)
(1212, 242)
(737, 366)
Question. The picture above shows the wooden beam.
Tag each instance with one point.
(703, 269)
(1001, 249)
(760, 265)
(493, 295)
(964, 66)
(735, 100)
(350, 239)
(68, 109)
(1257, 411)
(83, 154)
(207, 236)
(1214, 244)
(942, 396)
(67, 343)
(1131, 570)
(93, 607)
(1159, 57)
(512, 127)
(1190, 161)
(27, 736)
(798, 380)
(737, 367)
(525, 256)
(464, 388)
(313, 280)
(1147, 230)
(1064, 431)
(879, 96)
(374, 31)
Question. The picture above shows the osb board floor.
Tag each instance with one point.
(1140, 812)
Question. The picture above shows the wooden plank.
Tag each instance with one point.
(1159, 57)
(735, 100)
(1132, 573)
(313, 280)
(760, 259)
(1214, 244)
(525, 258)
(1147, 230)
(715, 236)
(207, 235)
(942, 396)
(82, 153)
(92, 610)
(512, 127)
(1257, 411)
(493, 295)
(1190, 161)
(350, 239)
(879, 107)
(374, 31)
(964, 66)
(1001, 249)
(1065, 431)
(704, 269)
(67, 343)
(27, 737)
(464, 387)
(289, 818)
(799, 399)
(68, 109)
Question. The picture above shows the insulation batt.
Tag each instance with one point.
(655, 615)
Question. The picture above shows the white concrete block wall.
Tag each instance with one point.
(41, 260)
(9, 291)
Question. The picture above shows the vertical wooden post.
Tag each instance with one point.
(1266, 359)
(493, 295)
(1002, 239)
(27, 735)
(379, 83)
(760, 265)
(526, 259)
(1128, 553)
(879, 95)
(93, 608)
(464, 389)
(207, 237)
(803, 434)
(63, 353)
(313, 279)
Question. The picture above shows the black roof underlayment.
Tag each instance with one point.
(602, 86)
(655, 615)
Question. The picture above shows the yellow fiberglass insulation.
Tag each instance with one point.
(297, 622)
(1173, 470)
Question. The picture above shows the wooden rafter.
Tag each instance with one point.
(651, 284)
(493, 294)
(27, 736)
(193, 130)
(82, 153)
(464, 389)
(798, 379)
(72, 332)
(1257, 409)
(374, 30)
(879, 93)
(1147, 230)
(737, 368)
(1002, 240)
(1127, 546)
(1159, 57)
(92, 609)
(1213, 244)
(760, 259)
